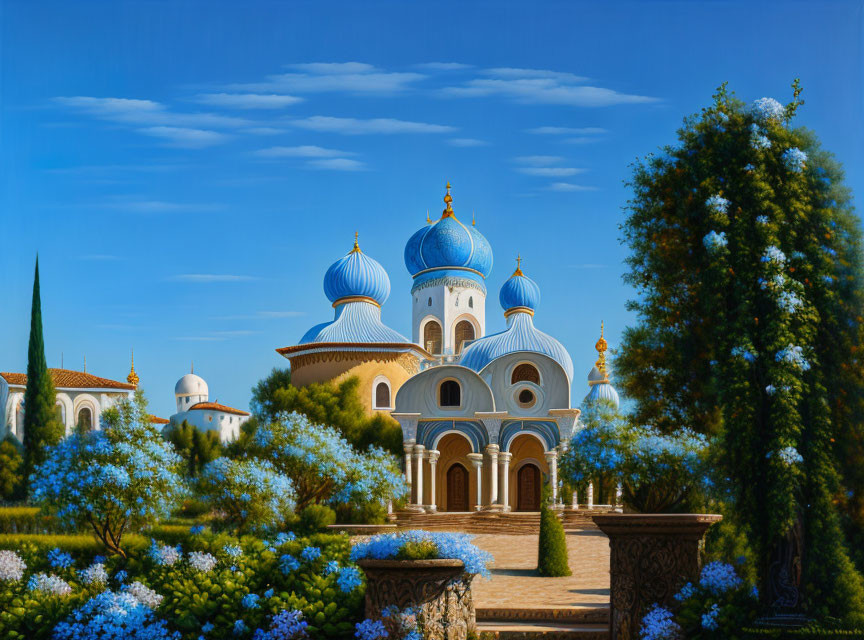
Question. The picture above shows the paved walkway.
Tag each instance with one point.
(515, 583)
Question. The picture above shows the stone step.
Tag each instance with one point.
(541, 630)
(562, 615)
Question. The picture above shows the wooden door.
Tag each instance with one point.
(528, 488)
(457, 488)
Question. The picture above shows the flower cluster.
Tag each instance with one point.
(349, 578)
(709, 619)
(659, 624)
(233, 550)
(285, 625)
(113, 615)
(163, 555)
(203, 562)
(793, 355)
(94, 574)
(743, 353)
(719, 577)
(288, 564)
(435, 545)
(370, 630)
(787, 455)
(250, 601)
(718, 204)
(765, 109)
(762, 219)
(143, 594)
(773, 255)
(310, 554)
(49, 584)
(60, 559)
(794, 159)
(12, 567)
(715, 241)
(789, 301)
(758, 140)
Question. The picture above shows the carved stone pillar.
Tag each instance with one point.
(418, 474)
(433, 455)
(409, 448)
(575, 501)
(504, 484)
(492, 457)
(477, 461)
(651, 557)
(552, 463)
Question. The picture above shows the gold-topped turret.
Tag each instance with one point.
(518, 271)
(132, 378)
(428, 219)
(448, 200)
(601, 347)
(356, 248)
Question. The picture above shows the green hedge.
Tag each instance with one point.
(810, 633)
(26, 520)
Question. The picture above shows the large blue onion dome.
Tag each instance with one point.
(356, 275)
(448, 248)
(598, 378)
(519, 291)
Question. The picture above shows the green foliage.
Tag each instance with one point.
(26, 520)
(11, 471)
(315, 518)
(82, 546)
(552, 550)
(746, 260)
(195, 446)
(42, 428)
(333, 404)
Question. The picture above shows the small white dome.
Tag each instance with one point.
(191, 385)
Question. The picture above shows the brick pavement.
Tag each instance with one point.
(514, 582)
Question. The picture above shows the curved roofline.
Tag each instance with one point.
(447, 267)
(439, 369)
(366, 346)
(534, 353)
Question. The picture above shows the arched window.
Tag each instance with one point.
(471, 302)
(382, 396)
(450, 394)
(464, 331)
(432, 337)
(429, 304)
(525, 373)
(85, 419)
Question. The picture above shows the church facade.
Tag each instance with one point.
(484, 417)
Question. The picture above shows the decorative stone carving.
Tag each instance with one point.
(439, 588)
(652, 556)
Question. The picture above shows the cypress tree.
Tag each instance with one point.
(746, 257)
(552, 544)
(42, 427)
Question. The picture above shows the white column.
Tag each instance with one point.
(477, 461)
(433, 455)
(504, 465)
(418, 484)
(492, 452)
(575, 502)
(408, 447)
(619, 496)
(552, 463)
(591, 495)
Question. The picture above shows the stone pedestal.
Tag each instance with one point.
(440, 588)
(651, 557)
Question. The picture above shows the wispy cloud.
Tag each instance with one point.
(187, 138)
(443, 66)
(582, 140)
(329, 77)
(540, 86)
(538, 161)
(248, 100)
(550, 172)
(381, 126)
(303, 151)
(264, 131)
(466, 142)
(567, 186)
(210, 277)
(337, 164)
(575, 131)
(146, 112)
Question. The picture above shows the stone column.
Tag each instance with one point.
(590, 495)
(477, 461)
(619, 496)
(492, 452)
(651, 557)
(575, 502)
(504, 485)
(552, 463)
(408, 447)
(418, 483)
(433, 455)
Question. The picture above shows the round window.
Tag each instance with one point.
(526, 398)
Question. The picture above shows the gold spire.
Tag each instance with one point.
(192, 367)
(132, 378)
(356, 248)
(428, 219)
(518, 271)
(601, 347)
(448, 200)
(473, 219)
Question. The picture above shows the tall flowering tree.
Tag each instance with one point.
(112, 480)
(745, 254)
(323, 467)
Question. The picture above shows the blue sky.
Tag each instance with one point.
(188, 170)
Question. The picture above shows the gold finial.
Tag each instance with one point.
(192, 367)
(601, 347)
(518, 271)
(132, 378)
(428, 219)
(448, 200)
(356, 248)
(473, 219)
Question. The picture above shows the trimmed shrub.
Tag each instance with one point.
(11, 472)
(315, 518)
(552, 551)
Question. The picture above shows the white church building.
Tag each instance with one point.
(193, 405)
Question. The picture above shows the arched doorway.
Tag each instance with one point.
(528, 488)
(85, 419)
(457, 488)
(432, 337)
(464, 332)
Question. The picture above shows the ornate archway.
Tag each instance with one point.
(457, 488)
(528, 481)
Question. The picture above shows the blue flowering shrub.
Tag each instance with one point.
(718, 607)
(214, 586)
(324, 467)
(251, 495)
(657, 472)
(112, 480)
(424, 545)
(394, 624)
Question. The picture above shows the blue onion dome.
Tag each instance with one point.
(448, 247)
(598, 378)
(356, 276)
(519, 291)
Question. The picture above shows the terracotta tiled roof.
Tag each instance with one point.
(158, 420)
(66, 379)
(215, 406)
